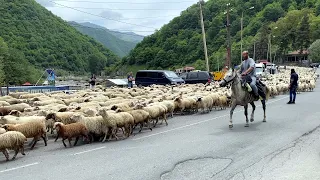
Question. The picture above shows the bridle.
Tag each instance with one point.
(231, 80)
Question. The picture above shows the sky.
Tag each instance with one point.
(141, 17)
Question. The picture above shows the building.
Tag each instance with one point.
(185, 69)
(296, 56)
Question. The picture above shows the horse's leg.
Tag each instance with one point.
(264, 110)
(233, 107)
(253, 109)
(246, 114)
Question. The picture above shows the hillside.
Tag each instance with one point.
(119, 43)
(47, 41)
(293, 23)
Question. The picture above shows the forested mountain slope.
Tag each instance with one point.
(47, 41)
(291, 24)
(109, 39)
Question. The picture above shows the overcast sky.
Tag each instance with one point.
(141, 16)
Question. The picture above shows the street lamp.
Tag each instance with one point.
(242, 30)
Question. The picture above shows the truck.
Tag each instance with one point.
(260, 69)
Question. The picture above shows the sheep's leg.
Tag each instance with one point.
(22, 150)
(252, 113)
(165, 119)
(44, 137)
(64, 142)
(16, 151)
(75, 142)
(69, 139)
(6, 154)
(246, 114)
(264, 110)
(233, 107)
(148, 125)
(141, 126)
(105, 135)
(56, 137)
(35, 142)
(51, 130)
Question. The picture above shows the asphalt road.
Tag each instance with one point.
(196, 147)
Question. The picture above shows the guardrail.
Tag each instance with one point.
(37, 89)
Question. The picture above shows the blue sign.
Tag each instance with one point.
(51, 76)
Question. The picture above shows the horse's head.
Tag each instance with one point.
(228, 78)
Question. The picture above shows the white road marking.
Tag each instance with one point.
(19, 167)
(89, 150)
(201, 121)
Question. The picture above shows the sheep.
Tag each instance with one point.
(140, 117)
(110, 122)
(63, 117)
(205, 102)
(19, 107)
(93, 124)
(4, 111)
(70, 131)
(12, 140)
(2, 130)
(32, 129)
(4, 103)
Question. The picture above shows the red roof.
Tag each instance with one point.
(298, 52)
(188, 68)
(26, 84)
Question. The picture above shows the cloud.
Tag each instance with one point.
(141, 17)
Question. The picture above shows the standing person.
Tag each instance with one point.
(293, 86)
(92, 81)
(130, 79)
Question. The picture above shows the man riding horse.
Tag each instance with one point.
(242, 96)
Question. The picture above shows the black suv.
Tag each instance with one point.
(198, 77)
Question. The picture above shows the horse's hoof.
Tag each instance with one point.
(251, 120)
(230, 126)
(247, 125)
(264, 120)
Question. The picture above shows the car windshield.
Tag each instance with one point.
(259, 70)
(171, 74)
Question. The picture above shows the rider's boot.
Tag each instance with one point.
(248, 87)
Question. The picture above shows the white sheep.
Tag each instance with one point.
(12, 140)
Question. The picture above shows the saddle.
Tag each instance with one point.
(260, 85)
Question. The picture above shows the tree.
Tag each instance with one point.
(314, 51)
(303, 34)
(200, 65)
(3, 55)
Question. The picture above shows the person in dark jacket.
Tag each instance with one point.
(130, 79)
(92, 81)
(293, 86)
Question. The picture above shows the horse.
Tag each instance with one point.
(242, 97)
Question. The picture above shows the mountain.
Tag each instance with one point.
(47, 41)
(291, 24)
(118, 42)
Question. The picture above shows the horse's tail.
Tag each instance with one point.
(268, 92)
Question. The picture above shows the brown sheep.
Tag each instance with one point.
(70, 131)
(4, 111)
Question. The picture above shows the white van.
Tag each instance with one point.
(260, 69)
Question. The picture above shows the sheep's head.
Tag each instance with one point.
(103, 113)
(199, 99)
(15, 113)
(57, 125)
(51, 116)
(76, 117)
(8, 127)
(114, 107)
(63, 109)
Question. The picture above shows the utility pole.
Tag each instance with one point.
(254, 50)
(204, 37)
(241, 36)
(228, 62)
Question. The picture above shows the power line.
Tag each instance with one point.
(102, 16)
(126, 2)
(102, 8)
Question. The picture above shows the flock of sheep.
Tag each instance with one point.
(102, 114)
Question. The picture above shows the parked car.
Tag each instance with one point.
(159, 77)
(314, 65)
(198, 77)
